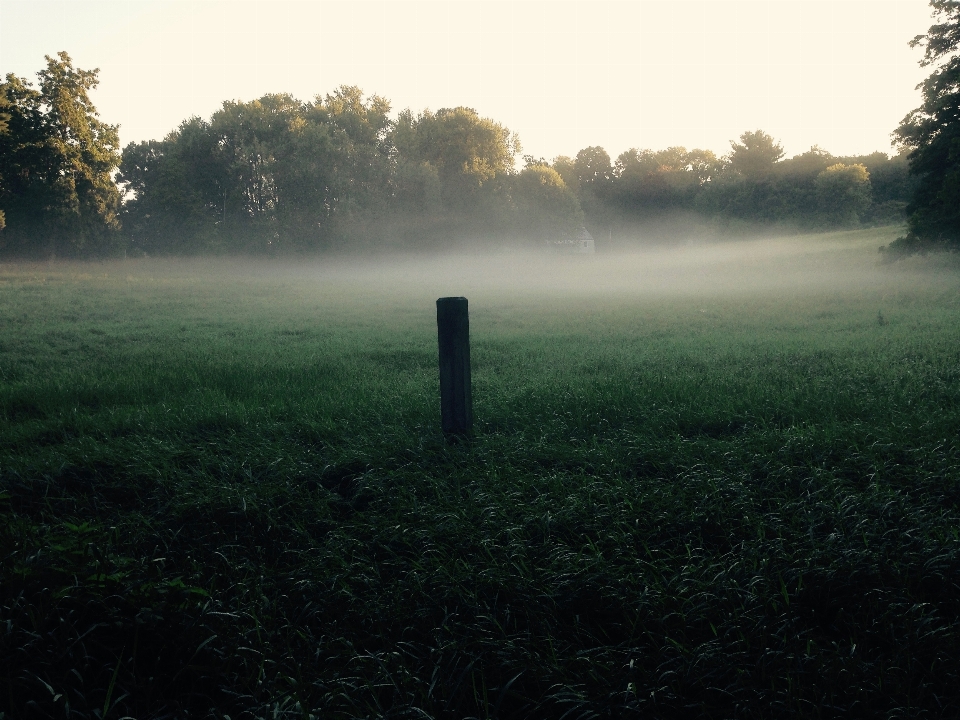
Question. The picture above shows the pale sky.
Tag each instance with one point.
(564, 75)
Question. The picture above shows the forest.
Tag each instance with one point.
(343, 173)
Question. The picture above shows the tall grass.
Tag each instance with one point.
(718, 482)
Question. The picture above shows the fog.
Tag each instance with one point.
(842, 263)
(846, 262)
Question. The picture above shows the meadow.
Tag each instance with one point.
(714, 480)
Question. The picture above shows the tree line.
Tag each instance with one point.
(752, 185)
(342, 173)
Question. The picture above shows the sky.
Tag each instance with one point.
(562, 74)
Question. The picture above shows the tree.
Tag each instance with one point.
(811, 163)
(249, 137)
(755, 155)
(593, 173)
(932, 134)
(4, 115)
(593, 168)
(567, 168)
(891, 184)
(4, 130)
(647, 181)
(264, 175)
(466, 149)
(547, 210)
(86, 152)
(457, 166)
(24, 155)
(174, 192)
(843, 194)
(56, 160)
(359, 175)
(704, 165)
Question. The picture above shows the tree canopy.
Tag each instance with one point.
(56, 160)
(755, 155)
(4, 130)
(276, 173)
(343, 172)
(932, 135)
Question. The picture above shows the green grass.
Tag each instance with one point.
(721, 481)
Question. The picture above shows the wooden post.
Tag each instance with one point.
(453, 333)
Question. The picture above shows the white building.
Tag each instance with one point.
(585, 245)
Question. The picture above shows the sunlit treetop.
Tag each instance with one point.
(755, 154)
(458, 143)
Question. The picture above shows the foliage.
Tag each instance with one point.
(566, 167)
(593, 169)
(593, 173)
(4, 114)
(650, 182)
(171, 193)
(755, 155)
(753, 184)
(809, 190)
(232, 183)
(466, 150)
(276, 174)
(56, 160)
(548, 212)
(4, 130)
(843, 193)
(359, 161)
(223, 490)
(279, 175)
(891, 186)
(932, 134)
(464, 164)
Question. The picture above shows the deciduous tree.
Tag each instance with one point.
(467, 150)
(56, 161)
(593, 168)
(547, 210)
(843, 194)
(567, 168)
(932, 134)
(4, 130)
(648, 181)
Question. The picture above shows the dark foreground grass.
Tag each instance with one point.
(224, 491)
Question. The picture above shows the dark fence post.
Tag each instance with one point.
(453, 333)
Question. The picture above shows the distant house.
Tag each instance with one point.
(579, 244)
(585, 245)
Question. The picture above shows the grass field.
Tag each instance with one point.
(711, 481)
